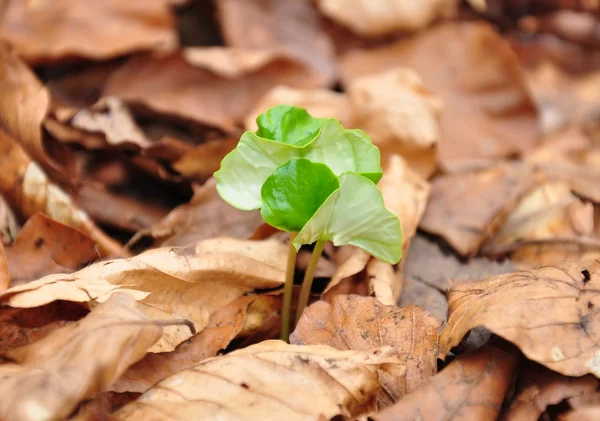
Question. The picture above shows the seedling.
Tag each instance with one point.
(317, 181)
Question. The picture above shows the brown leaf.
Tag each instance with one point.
(45, 246)
(540, 388)
(318, 102)
(268, 381)
(75, 362)
(370, 19)
(9, 227)
(400, 115)
(202, 161)
(205, 216)
(191, 282)
(177, 83)
(472, 388)
(486, 84)
(362, 324)
(4, 272)
(582, 414)
(549, 313)
(289, 27)
(422, 294)
(467, 208)
(87, 29)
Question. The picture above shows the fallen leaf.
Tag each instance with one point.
(582, 414)
(87, 29)
(417, 292)
(345, 279)
(539, 388)
(467, 208)
(191, 282)
(362, 324)
(9, 227)
(268, 381)
(4, 272)
(472, 387)
(45, 246)
(318, 102)
(205, 216)
(177, 84)
(201, 162)
(384, 18)
(548, 313)
(73, 363)
(400, 115)
(486, 84)
(288, 27)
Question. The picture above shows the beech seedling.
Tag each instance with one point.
(317, 181)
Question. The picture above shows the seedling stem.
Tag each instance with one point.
(308, 278)
(288, 289)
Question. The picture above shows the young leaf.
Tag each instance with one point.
(294, 192)
(244, 170)
(288, 124)
(355, 214)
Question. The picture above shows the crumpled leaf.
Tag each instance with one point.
(371, 19)
(245, 169)
(486, 84)
(178, 81)
(45, 246)
(366, 224)
(205, 216)
(539, 388)
(549, 313)
(395, 109)
(84, 29)
(472, 387)
(268, 381)
(318, 102)
(362, 324)
(467, 208)
(191, 282)
(52, 376)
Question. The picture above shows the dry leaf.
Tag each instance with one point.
(4, 272)
(400, 115)
(205, 216)
(97, 30)
(268, 381)
(373, 19)
(362, 324)
(582, 414)
(191, 282)
(177, 84)
(486, 84)
(9, 227)
(73, 363)
(288, 27)
(540, 388)
(467, 208)
(202, 161)
(415, 291)
(45, 246)
(318, 102)
(549, 313)
(472, 387)
(345, 279)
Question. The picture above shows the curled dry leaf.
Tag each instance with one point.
(321, 103)
(52, 376)
(45, 246)
(486, 84)
(371, 19)
(268, 381)
(178, 83)
(472, 387)
(29, 190)
(400, 115)
(87, 29)
(201, 162)
(191, 282)
(539, 388)
(549, 313)
(289, 27)
(205, 216)
(362, 324)
(467, 208)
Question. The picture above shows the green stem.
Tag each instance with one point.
(288, 288)
(308, 278)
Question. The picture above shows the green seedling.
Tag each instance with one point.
(316, 180)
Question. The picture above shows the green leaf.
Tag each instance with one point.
(288, 124)
(244, 170)
(355, 215)
(294, 192)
